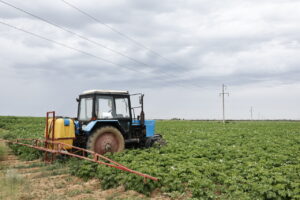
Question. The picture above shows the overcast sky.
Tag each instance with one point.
(193, 46)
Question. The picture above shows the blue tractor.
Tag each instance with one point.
(106, 122)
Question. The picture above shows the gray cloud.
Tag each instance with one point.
(241, 43)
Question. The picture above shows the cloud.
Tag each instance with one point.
(204, 44)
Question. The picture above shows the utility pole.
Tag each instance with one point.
(251, 112)
(223, 93)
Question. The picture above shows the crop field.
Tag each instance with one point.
(202, 160)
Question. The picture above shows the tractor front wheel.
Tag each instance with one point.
(106, 139)
(155, 141)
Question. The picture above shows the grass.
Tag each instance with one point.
(117, 197)
(54, 169)
(73, 193)
(31, 165)
(10, 185)
(56, 197)
(76, 192)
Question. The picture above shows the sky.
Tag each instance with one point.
(177, 52)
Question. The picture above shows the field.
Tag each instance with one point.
(202, 160)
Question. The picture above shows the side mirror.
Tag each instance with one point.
(77, 99)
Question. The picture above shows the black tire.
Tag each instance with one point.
(106, 139)
(155, 141)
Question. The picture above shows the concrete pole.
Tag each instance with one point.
(223, 101)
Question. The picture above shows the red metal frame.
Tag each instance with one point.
(60, 148)
(47, 119)
(48, 134)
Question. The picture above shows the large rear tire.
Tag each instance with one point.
(106, 139)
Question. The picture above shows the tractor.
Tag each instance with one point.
(106, 122)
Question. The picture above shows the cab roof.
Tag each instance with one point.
(105, 92)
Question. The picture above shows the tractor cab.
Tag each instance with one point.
(106, 122)
(105, 105)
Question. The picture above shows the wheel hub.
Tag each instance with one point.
(107, 147)
(106, 142)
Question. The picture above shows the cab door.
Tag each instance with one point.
(122, 112)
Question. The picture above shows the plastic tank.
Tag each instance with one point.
(64, 131)
(150, 128)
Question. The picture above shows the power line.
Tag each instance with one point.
(119, 32)
(71, 32)
(84, 38)
(69, 47)
(66, 46)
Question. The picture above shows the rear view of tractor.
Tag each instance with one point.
(105, 122)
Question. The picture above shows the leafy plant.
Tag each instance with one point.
(209, 160)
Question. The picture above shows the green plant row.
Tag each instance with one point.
(22, 127)
(239, 160)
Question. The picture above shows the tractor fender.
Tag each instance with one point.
(90, 127)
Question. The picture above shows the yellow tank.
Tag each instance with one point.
(64, 131)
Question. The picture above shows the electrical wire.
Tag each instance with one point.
(123, 35)
(73, 48)
(73, 33)
(118, 32)
(85, 38)
(67, 46)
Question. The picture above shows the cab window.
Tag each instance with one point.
(86, 108)
(104, 107)
(122, 109)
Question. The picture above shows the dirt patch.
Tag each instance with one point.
(3, 152)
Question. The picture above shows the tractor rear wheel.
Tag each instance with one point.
(106, 139)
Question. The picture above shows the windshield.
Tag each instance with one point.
(86, 108)
(104, 107)
(108, 107)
